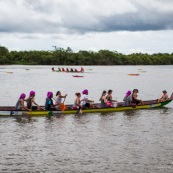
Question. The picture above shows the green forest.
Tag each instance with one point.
(67, 56)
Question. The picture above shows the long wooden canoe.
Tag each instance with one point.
(68, 71)
(149, 104)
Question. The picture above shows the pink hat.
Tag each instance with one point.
(22, 96)
(128, 93)
(85, 91)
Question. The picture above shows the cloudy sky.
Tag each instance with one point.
(127, 26)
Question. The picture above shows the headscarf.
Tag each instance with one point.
(85, 91)
(49, 94)
(32, 93)
(128, 93)
(22, 96)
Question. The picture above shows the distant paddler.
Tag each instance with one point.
(53, 69)
(82, 69)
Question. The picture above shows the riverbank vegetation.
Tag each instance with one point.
(61, 56)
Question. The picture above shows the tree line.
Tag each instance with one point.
(61, 56)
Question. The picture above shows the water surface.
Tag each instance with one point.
(130, 141)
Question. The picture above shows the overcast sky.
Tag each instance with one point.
(127, 26)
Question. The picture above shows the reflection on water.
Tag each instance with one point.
(131, 141)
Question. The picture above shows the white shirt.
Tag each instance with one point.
(83, 98)
(58, 99)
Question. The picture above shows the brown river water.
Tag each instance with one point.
(123, 142)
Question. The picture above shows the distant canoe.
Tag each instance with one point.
(68, 70)
(9, 72)
(133, 74)
(77, 76)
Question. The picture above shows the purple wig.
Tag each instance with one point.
(85, 91)
(128, 93)
(49, 94)
(32, 93)
(22, 96)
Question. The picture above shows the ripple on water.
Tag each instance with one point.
(138, 141)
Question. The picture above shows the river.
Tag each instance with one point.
(122, 142)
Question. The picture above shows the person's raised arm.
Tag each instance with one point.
(63, 96)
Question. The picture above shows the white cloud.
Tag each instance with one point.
(123, 42)
(125, 26)
(157, 5)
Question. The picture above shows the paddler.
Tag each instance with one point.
(49, 102)
(20, 103)
(103, 100)
(82, 69)
(135, 101)
(127, 99)
(85, 102)
(77, 101)
(58, 98)
(164, 96)
(109, 98)
(30, 101)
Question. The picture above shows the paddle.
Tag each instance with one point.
(62, 106)
(133, 105)
(79, 110)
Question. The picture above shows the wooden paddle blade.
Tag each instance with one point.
(62, 107)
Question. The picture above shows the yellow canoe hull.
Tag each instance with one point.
(47, 113)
